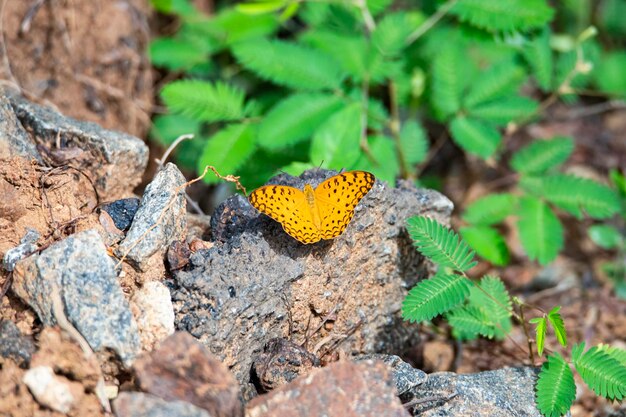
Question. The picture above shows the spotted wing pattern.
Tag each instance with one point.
(337, 198)
(287, 205)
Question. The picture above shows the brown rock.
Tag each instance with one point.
(182, 369)
(438, 356)
(282, 362)
(343, 389)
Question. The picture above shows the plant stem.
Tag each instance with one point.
(430, 22)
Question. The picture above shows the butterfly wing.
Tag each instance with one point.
(337, 198)
(287, 205)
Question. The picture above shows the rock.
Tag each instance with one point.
(256, 279)
(139, 404)
(48, 389)
(114, 160)
(80, 271)
(122, 211)
(438, 355)
(181, 369)
(15, 346)
(26, 247)
(404, 375)
(501, 393)
(152, 307)
(160, 219)
(14, 140)
(178, 255)
(281, 362)
(343, 389)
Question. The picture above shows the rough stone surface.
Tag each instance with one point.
(256, 279)
(122, 211)
(182, 369)
(507, 392)
(14, 140)
(160, 219)
(48, 389)
(281, 362)
(405, 376)
(25, 248)
(116, 160)
(342, 389)
(139, 404)
(14, 345)
(80, 271)
(152, 307)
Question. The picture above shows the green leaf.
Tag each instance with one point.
(440, 244)
(505, 110)
(335, 144)
(539, 229)
(538, 54)
(494, 301)
(487, 242)
(296, 118)
(289, 64)
(575, 194)
(619, 181)
(542, 155)
(390, 35)
(176, 54)
(227, 150)
(386, 167)
(447, 82)
(351, 52)
(434, 296)
(166, 128)
(260, 6)
(231, 26)
(605, 375)
(468, 323)
(504, 15)
(413, 142)
(609, 76)
(614, 352)
(556, 389)
(490, 209)
(605, 236)
(204, 101)
(559, 327)
(540, 332)
(475, 136)
(499, 80)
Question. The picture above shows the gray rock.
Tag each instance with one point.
(122, 211)
(80, 271)
(116, 160)
(160, 219)
(405, 376)
(139, 404)
(14, 345)
(49, 390)
(252, 284)
(507, 392)
(25, 248)
(14, 140)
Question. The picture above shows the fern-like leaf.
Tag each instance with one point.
(504, 15)
(440, 244)
(605, 375)
(539, 229)
(204, 101)
(505, 110)
(555, 388)
(296, 118)
(335, 144)
(469, 322)
(559, 327)
(542, 155)
(391, 33)
(499, 80)
(494, 300)
(538, 54)
(413, 142)
(475, 136)
(177, 54)
(490, 209)
(228, 149)
(289, 64)
(448, 82)
(540, 332)
(614, 352)
(349, 51)
(575, 195)
(487, 242)
(435, 296)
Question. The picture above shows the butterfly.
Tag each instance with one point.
(311, 215)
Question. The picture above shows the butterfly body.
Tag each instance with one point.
(314, 214)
